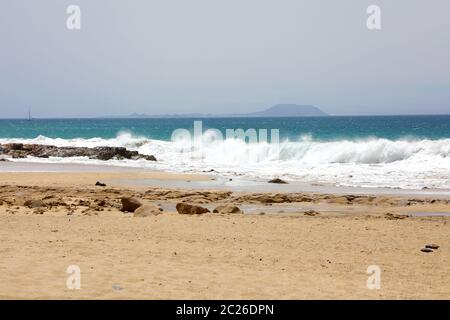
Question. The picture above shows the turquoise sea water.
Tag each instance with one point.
(320, 128)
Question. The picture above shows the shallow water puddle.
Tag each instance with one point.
(430, 214)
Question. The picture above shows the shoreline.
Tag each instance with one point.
(150, 178)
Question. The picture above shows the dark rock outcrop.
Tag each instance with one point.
(19, 150)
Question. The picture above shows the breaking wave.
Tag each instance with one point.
(371, 162)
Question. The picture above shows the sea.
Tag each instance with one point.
(402, 152)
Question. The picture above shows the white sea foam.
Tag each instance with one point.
(374, 162)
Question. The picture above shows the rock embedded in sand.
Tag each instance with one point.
(184, 208)
(311, 213)
(39, 211)
(228, 209)
(427, 250)
(394, 216)
(130, 204)
(277, 180)
(33, 203)
(432, 246)
(147, 210)
(100, 184)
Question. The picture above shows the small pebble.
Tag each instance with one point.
(117, 287)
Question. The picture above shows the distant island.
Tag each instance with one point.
(279, 110)
(288, 110)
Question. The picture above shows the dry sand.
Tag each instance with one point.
(279, 255)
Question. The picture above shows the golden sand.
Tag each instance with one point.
(213, 256)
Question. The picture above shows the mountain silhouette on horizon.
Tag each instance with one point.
(289, 110)
(279, 110)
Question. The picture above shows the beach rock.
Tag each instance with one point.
(14, 146)
(150, 158)
(277, 198)
(100, 202)
(277, 180)
(100, 184)
(39, 211)
(18, 154)
(83, 203)
(108, 153)
(351, 197)
(339, 200)
(432, 246)
(89, 212)
(18, 150)
(311, 213)
(227, 209)
(96, 208)
(130, 204)
(59, 202)
(426, 250)
(184, 208)
(34, 203)
(147, 210)
(394, 216)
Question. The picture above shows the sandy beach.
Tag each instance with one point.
(286, 245)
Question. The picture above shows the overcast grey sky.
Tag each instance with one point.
(223, 56)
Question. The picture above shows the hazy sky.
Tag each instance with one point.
(223, 56)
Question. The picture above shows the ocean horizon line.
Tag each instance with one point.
(221, 117)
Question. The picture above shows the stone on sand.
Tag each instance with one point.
(130, 204)
(277, 180)
(311, 213)
(39, 211)
(147, 210)
(228, 209)
(394, 216)
(184, 208)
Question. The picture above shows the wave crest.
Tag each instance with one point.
(405, 163)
